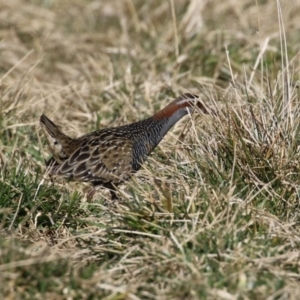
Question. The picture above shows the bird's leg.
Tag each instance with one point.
(108, 185)
(113, 195)
(112, 190)
(50, 162)
(91, 194)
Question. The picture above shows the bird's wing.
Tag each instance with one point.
(99, 159)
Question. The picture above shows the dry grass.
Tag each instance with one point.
(215, 211)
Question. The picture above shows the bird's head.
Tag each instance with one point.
(185, 103)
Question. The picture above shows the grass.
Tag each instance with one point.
(214, 213)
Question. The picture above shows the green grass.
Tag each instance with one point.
(214, 213)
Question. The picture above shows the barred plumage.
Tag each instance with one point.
(111, 156)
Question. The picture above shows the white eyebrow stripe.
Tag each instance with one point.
(187, 100)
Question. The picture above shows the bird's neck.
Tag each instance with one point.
(148, 134)
(167, 117)
(160, 124)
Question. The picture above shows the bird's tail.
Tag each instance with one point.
(50, 127)
(58, 142)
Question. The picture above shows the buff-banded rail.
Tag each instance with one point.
(110, 156)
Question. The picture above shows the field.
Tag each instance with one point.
(215, 211)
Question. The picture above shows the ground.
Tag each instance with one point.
(214, 212)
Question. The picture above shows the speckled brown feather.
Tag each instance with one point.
(106, 159)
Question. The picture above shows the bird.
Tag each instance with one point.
(110, 156)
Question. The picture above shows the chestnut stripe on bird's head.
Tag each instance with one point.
(184, 101)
